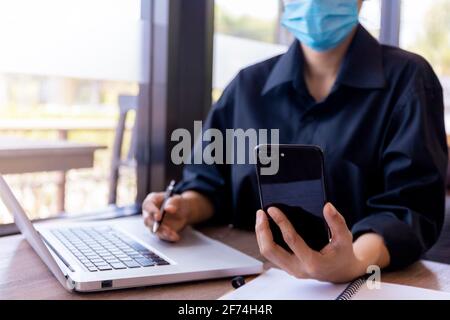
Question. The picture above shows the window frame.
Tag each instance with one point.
(390, 22)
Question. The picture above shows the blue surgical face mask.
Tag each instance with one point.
(320, 24)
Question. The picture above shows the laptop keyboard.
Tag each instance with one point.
(104, 249)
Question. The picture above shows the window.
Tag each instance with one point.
(247, 32)
(63, 65)
(370, 16)
(425, 29)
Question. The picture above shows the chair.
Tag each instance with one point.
(126, 104)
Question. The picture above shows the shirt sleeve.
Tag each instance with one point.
(213, 180)
(409, 213)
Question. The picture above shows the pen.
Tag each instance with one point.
(169, 193)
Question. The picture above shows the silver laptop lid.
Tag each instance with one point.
(31, 235)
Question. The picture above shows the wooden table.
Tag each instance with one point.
(26, 125)
(24, 276)
(21, 155)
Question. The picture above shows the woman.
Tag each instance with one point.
(375, 110)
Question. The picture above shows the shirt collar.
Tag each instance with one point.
(287, 69)
(362, 66)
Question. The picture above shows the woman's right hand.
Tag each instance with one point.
(175, 219)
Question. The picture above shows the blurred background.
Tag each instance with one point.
(71, 70)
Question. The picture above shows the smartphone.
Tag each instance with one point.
(297, 188)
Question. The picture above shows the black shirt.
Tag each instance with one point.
(381, 129)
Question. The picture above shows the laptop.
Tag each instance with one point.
(122, 253)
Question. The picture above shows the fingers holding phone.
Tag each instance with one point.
(297, 189)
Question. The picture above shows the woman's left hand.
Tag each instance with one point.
(337, 262)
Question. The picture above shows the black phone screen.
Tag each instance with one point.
(298, 190)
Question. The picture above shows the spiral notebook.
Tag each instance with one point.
(276, 284)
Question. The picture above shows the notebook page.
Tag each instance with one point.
(390, 291)
(276, 284)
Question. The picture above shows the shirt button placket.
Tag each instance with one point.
(306, 132)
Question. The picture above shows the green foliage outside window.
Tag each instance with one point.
(434, 42)
(244, 26)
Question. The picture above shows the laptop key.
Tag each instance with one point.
(137, 246)
(118, 265)
(145, 262)
(92, 255)
(92, 269)
(112, 261)
(158, 259)
(126, 259)
(97, 260)
(104, 267)
(162, 263)
(132, 264)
